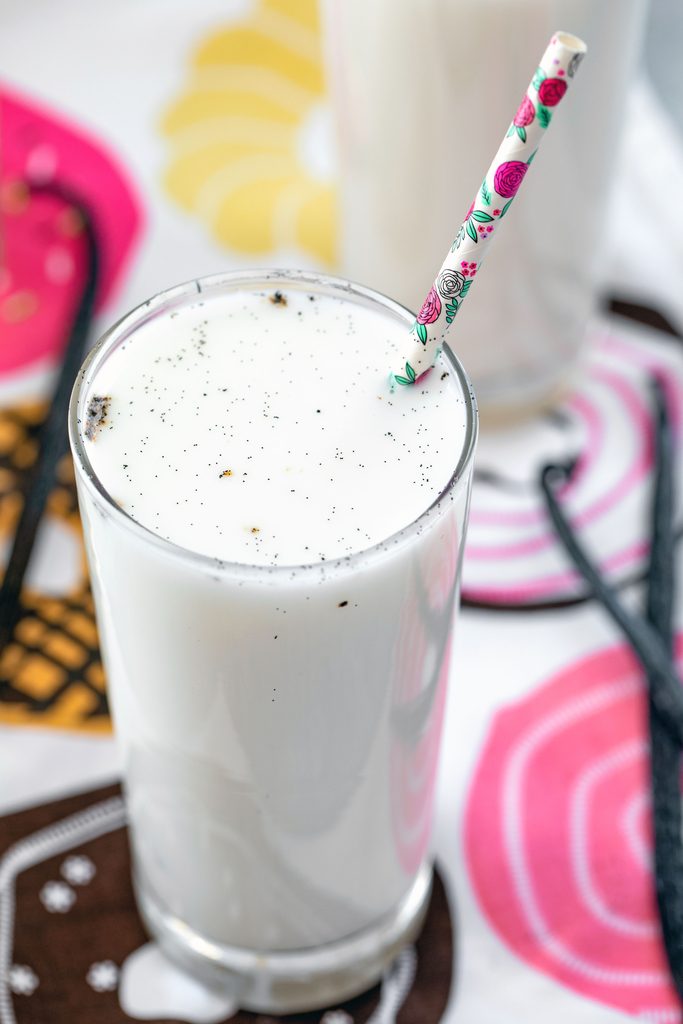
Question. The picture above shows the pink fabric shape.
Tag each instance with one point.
(558, 835)
(42, 266)
(522, 533)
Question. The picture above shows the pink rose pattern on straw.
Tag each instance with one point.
(493, 200)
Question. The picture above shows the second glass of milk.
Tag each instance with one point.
(275, 544)
(422, 92)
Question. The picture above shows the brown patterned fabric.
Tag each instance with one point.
(68, 927)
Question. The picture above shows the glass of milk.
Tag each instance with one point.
(275, 543)
(422, 92)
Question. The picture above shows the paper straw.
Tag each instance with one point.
(492, 201)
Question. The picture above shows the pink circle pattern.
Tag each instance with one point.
(558, 836)
(41, 259)
(512, 556)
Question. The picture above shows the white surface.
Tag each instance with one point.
(151, 988)
(37, 765)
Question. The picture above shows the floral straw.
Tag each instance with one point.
(492, 201)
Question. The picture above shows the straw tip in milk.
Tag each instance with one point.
(571, 42)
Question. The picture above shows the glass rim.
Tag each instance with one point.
(254, 278)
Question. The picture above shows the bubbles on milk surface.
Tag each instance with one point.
(258, 427)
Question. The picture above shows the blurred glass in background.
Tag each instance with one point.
(210, 144)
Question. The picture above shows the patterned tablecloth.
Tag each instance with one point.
(544, 904)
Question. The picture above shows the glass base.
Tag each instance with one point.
(512, 398)
(297, 980)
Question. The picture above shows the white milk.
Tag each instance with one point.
(258, 427)
(423, 93)
(280, 724)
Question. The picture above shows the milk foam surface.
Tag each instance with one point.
(258, 427)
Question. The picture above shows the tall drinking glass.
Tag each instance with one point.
(279, 794)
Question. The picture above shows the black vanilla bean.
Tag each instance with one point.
(652, 652)
(52, 437)
(665, 753)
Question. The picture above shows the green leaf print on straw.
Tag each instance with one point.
(492, 201)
